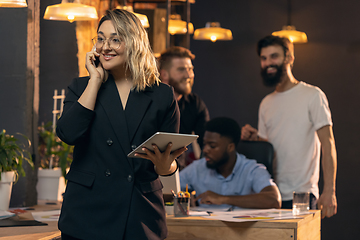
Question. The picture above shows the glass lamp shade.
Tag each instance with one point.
(70, 12)
(13, 3)
(291, 33)
(143, 18)
(213, 32)
(179, 27)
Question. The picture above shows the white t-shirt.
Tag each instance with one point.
(289, 120)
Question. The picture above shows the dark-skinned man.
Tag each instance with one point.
(225, 178)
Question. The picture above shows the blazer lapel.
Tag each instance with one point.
(109, 99)
(136, 107)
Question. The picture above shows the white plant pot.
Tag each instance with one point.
(7, 179)
(51, 184)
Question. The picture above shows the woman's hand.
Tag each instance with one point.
(97, 77)
(164, 162)
(95, 72)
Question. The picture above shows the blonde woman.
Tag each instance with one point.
(106, 115)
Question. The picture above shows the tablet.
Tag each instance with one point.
(161, 139)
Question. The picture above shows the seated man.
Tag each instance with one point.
(226, 178)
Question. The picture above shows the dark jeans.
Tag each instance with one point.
(288, 204)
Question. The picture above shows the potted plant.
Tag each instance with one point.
(55, 159)
(12, 155)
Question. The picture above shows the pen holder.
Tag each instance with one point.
(181, 206)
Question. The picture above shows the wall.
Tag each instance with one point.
(19, 83)
(228, 79)
(58, 59)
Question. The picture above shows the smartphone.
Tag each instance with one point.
(96, 62)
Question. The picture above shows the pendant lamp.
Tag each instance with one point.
(70, 11)
(289, 31)
(213, 32)
(177, 26)
(13, 3)
(143, 18)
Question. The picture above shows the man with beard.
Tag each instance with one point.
(224, 178)
(176, 69)
(296, 119)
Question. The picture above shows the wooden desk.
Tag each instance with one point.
(191, 228)
(194, 228)
(33, 232)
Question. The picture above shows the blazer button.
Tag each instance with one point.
(133, 147)
(107, 173)
(109, 142)
(129, 178)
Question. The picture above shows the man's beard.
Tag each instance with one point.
(271, 80)
(178, 89)
(224, 159)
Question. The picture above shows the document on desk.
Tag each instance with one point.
(46, 216)
(6, 214)
(248, 215)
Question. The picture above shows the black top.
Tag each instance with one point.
(193, 116)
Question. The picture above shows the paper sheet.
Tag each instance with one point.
(5, 214)
(254, 215)
(46, 216)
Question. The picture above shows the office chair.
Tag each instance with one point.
(261, 151)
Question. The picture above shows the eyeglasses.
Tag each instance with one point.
(114, 42)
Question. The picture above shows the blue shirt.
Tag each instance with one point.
(247, 177)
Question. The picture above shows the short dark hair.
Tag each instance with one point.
(271, 41)
(226, 127)
(173, 52)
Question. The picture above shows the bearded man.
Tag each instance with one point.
(176, 69)
(296, 120)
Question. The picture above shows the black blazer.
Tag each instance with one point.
(108, 195)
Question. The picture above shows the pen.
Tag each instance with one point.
(187, 194)
(173, 193)
(182, 209)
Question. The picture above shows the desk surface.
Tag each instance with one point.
(33, 232)
(191, 228)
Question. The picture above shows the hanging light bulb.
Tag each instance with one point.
(177, 26)
(70, 11)
(13, 3)
(143, 18)
(213, 32)
(289, 31)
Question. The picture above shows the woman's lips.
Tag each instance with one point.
(108, 57)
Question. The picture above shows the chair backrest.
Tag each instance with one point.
(261, 151)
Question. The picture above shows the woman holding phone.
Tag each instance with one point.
(106, 115)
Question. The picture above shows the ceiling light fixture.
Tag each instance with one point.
(177, 26)
(213, 32)
(13, 3)
(143, 18)
(70, 11)
(289, 31)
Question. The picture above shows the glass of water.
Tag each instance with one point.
(300, 202)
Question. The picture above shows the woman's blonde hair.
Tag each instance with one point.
(140, 58)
